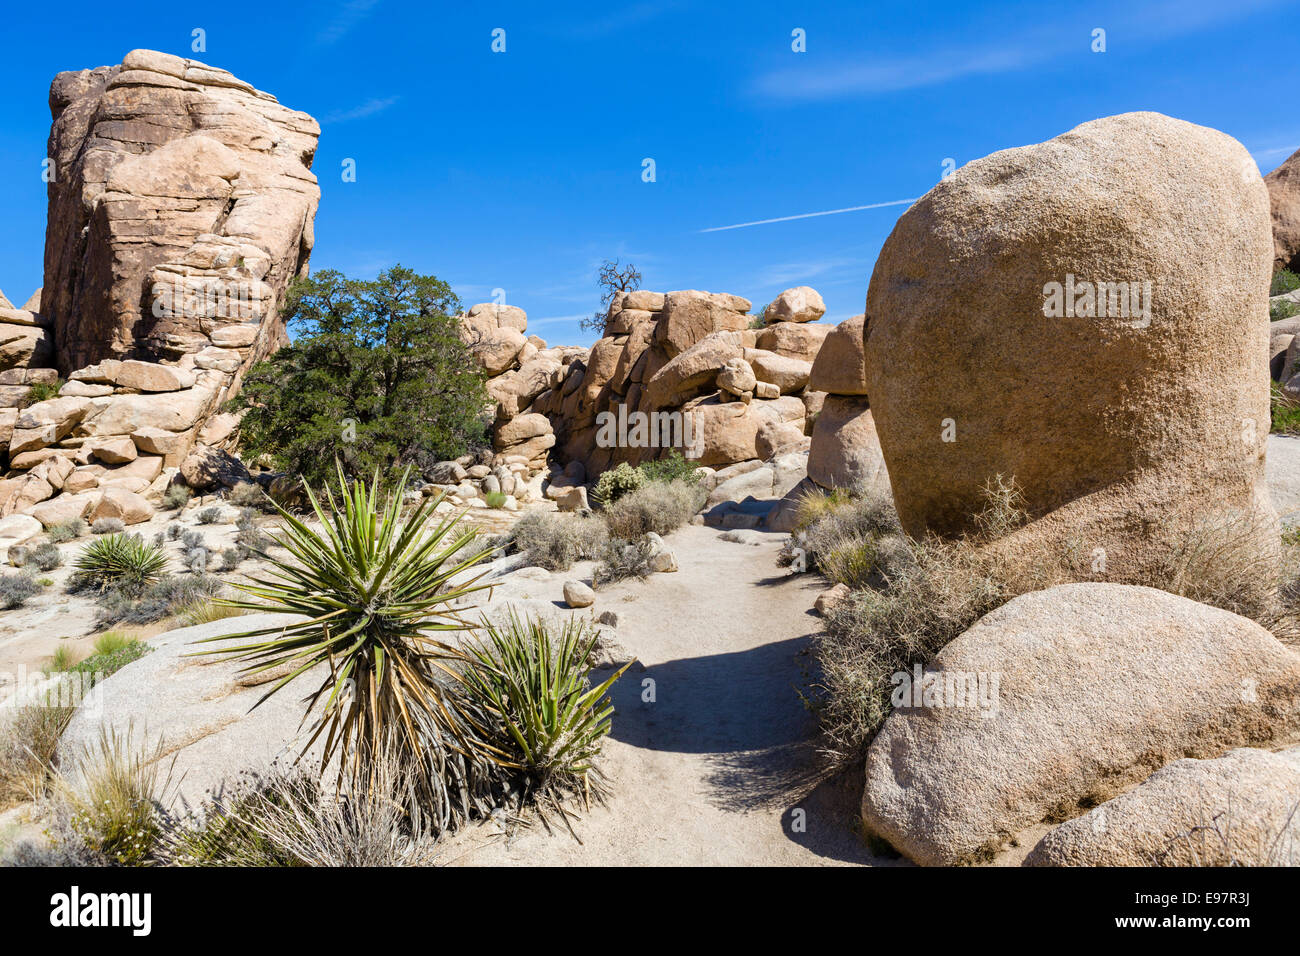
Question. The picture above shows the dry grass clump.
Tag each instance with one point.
(29, 738)
(619, 560)
(555, 541)
(851, 539)
(658, 506)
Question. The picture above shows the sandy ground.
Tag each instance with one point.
(711, 754)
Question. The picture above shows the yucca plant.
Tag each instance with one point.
(372, 586)
(122, 561)
(544, 712)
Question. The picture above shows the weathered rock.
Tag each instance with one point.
(19, 494)
(182, 198)
(694, 370)
(1067, 716)
(751, 484)
(690, 315)
(75, 502)
(1140, 445)
(737, 378)
(207, 468)
(577, 594)
(152, 377)
(832, 596)
(501, 315)
(787, 374)
(111, 451)
(845, 451)
(840, 365)
(661, 560)
(800, 304)
(801, 342)
(127, 414)
(1246, 799)
(15, 529)
(1284, 201)
(496, 349)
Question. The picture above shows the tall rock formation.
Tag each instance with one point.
(181, 206)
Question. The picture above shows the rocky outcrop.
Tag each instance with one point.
(181, 205)
(1284, 205)
(1118, 434)
(1047, 706)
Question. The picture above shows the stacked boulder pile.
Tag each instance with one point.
(180, 207)
(1118, 712)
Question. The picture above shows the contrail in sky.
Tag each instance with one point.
(810, 215)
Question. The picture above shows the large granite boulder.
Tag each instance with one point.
(990, 352)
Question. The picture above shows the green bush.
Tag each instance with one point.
(40, 392)
(495, 499)
(656, 506)
(617, 482)
(1284, 281)
(385, 355)
(1284, 411)
(119, 562)
(1282, 309)
(555, 541)
(672, 467)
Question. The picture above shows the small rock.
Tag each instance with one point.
(830, 597)
(577, 594)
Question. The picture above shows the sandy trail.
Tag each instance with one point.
(717, 767)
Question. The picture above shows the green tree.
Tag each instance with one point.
(377, 377)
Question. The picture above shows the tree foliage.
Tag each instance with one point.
(377, 377)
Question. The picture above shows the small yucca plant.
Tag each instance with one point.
(544, 712)
(120, 561)
(371, 586)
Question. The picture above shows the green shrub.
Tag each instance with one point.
(210, 515)
(495, 499)
(554, 541)
(1284, 411)
(385, 354)
(15, 589)
(672, 467)
(40, 392)
(1282, 309)
(373, 585)
(543, 712)
(656, 506)
(617, 482)
(62, 531)
(104, 663)
(1284, 281)
(120, 562)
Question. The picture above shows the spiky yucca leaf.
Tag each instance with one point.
(534, 685)
(371, 587)
(121, 561)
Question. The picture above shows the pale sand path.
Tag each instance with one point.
(711, 771)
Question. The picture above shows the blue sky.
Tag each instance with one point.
(522, 170)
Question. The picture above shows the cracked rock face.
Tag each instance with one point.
(181, 206)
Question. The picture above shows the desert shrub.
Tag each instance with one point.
(62, 531)
(175, 497)
(495, 499)
(555, 541)
(617, 482)
(118, 562)
(286, 818)
(254, 541)
(246, 519)
(1282, 309)
(210, 515)
(231, 558)
(110, 792)
(191, 540)
(386, 354)
(61, 660)
(29, 740)
(174, 531)
(15, 589)
(250, 496)
(544, 714)
(1284, 280)
(45, 556)
(165, 597)
(40, 392)
(1284, 411)
(372, 584)
(620, 559)
(656, 506)
(108, 526)
(850, 538)
(672, 467)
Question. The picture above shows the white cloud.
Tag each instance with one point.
(368, 108)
